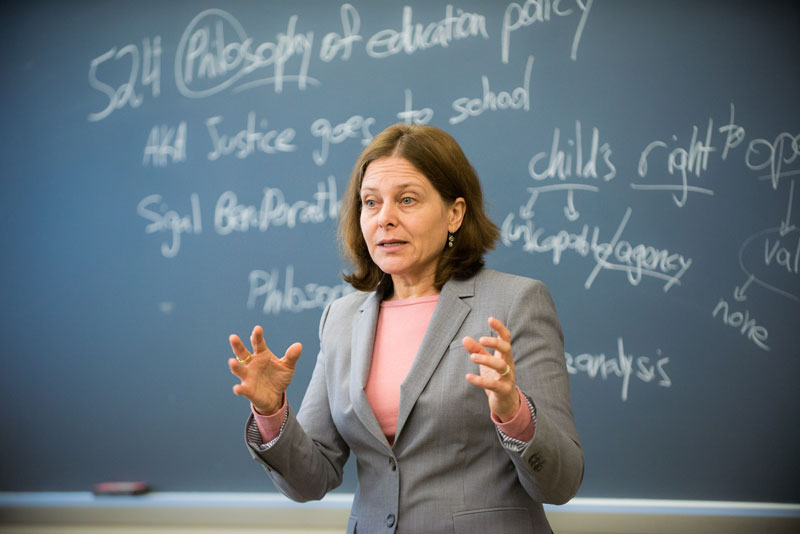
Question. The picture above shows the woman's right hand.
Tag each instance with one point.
(264, 377)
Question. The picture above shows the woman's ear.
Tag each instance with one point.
(457, 210)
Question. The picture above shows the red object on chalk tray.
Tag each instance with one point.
(120, 488)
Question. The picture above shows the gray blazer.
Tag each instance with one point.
(449, 469)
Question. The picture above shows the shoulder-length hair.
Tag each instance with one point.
(440, 159)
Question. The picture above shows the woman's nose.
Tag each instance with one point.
(387, 215)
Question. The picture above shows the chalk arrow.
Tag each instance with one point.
(785, 226)
(738, 292)
(526, 211)
(569, 210)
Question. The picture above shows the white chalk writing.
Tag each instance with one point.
(206, 64)
(694, 160)
(412, 37)
(290, 298)
(409, 115)
(274, 210)
(570, 212)
(637, 261)
(355, 126)
(786, 223)
(125, 93)
(782, 151)
(598, 365)
(249, 140)
(777, 268)
(560, 162)
(165, 144)
(166, 220)
(520, 16)
(781, 256)
(734, 134)
(333, 43)
(743, 322)
(519, 98)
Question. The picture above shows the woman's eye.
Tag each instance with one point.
(369, 203)
(407, 201)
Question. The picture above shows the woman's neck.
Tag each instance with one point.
(405, 289)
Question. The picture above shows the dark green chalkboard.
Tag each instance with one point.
(171, 173)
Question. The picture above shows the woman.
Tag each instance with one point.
(454, 429)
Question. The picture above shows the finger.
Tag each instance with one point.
(489, 384)
(257, 340)
(238, 347)
(240, 390)
(236, 368)
(503, 332)
(497, 344)
(497, 365)
(473, 346)
(292, 354)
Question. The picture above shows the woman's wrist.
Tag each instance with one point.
(514, 406)
(269, 409)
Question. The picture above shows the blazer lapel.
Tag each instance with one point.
(362, 342)
(446, 321)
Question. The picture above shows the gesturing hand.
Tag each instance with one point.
(497, 370)
(264, 377)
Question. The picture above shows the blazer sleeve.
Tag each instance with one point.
(306, 460)
(550, 467)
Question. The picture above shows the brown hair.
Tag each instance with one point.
(439, 158)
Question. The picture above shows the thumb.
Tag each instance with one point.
(293, 354)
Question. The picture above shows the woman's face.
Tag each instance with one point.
(405, 221)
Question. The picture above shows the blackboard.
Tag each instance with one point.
(172, 173)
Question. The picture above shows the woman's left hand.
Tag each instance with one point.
(497, 370)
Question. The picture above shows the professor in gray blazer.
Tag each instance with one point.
(479, 431)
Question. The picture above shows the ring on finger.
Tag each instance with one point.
(508, 370)
(246, 360)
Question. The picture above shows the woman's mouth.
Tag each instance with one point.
(391, 244)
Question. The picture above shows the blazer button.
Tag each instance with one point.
(390, 520)
(392, 464)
